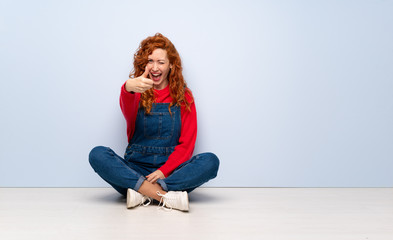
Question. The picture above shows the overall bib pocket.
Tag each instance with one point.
(159, 125)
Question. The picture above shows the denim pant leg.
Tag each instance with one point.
(114, 170)
(192, 173)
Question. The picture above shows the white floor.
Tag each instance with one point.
(215, 213)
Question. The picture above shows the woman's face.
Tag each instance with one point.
(159, 68)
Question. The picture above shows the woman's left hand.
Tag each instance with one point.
(154, 176)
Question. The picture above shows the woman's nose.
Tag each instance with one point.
(155, 66)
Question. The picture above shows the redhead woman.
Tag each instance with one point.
(162, 128)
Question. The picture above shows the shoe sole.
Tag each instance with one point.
(187, 203)
(129, 199)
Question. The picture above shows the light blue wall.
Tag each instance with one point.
(288, 93)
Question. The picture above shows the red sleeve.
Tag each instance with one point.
(188, 133)
(129, 103)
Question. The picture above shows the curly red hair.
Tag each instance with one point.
(177, 85)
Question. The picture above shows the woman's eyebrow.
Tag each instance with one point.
(157, 60)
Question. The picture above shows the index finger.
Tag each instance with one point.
(147, 81)
(149, 179)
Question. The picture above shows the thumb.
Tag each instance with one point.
(147, 70)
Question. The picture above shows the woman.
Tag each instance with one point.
(161, 127)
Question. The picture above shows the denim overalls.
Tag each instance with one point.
(155, 138)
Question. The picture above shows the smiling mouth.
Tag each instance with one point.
(156, 77)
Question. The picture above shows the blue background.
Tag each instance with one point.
(288, 93)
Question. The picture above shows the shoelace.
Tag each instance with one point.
(144, 199)
(165, 205)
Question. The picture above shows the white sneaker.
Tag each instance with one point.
(134, 199)
(176, 200)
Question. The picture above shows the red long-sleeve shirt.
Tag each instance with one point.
(129, 103)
